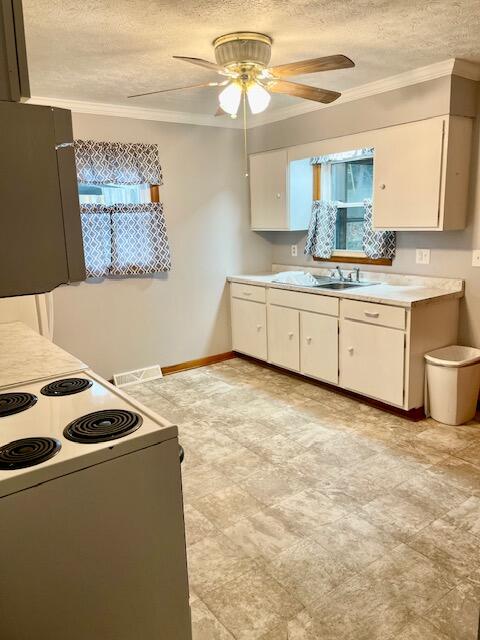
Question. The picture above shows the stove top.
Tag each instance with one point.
(53, 427)
(27, 452)
(102, 426)
(11, 403)
(66, 387)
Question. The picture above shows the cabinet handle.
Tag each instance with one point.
(309, 339)
(278, 196)
(350, 349)
(247, 293)
(290, 335)
(382, 186)
(371, 314)
(259, 326)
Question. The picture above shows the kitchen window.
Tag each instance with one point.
(123, 224)
(109, 194)
(347, 179)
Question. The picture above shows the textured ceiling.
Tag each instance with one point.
(104, 50)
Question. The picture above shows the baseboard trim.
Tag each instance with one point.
(414, 415)
(199, 362)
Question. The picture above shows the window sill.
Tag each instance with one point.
(352, 257)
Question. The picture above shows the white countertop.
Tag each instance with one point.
(408, 294)
(26, 356)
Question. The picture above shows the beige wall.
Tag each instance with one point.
(450, 251)
(120, 324)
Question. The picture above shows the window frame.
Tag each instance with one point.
(341, 255)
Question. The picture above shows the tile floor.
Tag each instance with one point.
(311, 516)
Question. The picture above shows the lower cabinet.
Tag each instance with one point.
(249, 328)
(283, 337)
(373, 349)
(319, 346)
(372, 360)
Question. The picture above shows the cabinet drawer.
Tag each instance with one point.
(248, 292)
(372, 313)
(304, 301)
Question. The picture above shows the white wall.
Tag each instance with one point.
(120, 324)
(450, 251)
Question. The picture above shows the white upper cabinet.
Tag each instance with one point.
(279, 202)
(421, 175)
(268, 190)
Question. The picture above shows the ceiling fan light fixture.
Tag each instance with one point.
(230, 97)
(258, 98)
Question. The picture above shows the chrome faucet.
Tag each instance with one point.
(356, 271)
(341, 277)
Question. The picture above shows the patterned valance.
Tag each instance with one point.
(117, 163)
(343, 156)
(124, 239)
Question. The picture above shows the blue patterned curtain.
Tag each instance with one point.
(124, 239)
(321, 232)
(377, 244)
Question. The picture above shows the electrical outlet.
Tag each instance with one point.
(476, 258)
(294, 250)
(423, 256)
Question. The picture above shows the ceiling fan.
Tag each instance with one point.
(242, 58)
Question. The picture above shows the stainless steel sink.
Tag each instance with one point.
(344, 285)
(339, 285)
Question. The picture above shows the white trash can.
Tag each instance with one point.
(453, 381)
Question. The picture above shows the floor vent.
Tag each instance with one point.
(139, 375)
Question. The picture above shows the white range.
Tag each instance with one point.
(92, 542)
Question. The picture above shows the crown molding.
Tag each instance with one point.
(407, 78)
(448, 67)
(137, 113)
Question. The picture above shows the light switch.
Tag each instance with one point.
(294, 250)
(476, 258)
(423, 256)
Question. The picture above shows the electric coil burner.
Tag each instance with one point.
(66, 387)
(27, 452)
(11, 403)
(102, 426)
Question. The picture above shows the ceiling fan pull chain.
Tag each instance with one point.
(245, 133)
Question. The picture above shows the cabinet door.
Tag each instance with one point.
(283, 337)
(372, 360)
(319, 346)
(268, 185)
(249, 323)
(408, 167)
(33, 258)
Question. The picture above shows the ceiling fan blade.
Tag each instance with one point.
(204, 63)
(303, 91)
(329, 63)
(190, 86)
